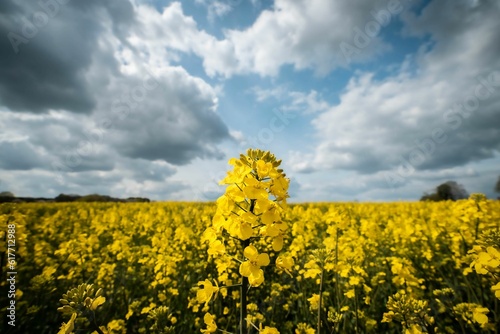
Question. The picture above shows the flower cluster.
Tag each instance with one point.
(251, 212)
(486, 259)
(251, 209)
(471, 313)
(148, 256)
(412, 313)
(163, 320)
(80, 302)
(81, 299)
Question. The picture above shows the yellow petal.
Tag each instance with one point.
(245, 269)
(216, 248)
(68, 328)
(246, 231)
(278, 244)
(270, 217)
(272, 230)
(496, 289)
(480, 318)
(493, 252)
(256, 280)
(350, 293)
(263, 259)
(250, 252)
(97, 302)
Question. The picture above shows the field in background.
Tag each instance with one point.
(147, 255)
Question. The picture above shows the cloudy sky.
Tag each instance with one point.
(363, 100)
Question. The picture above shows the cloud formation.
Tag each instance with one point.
(433, 117)
(81, 92)
(138, 97)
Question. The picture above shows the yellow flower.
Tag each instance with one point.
(269, 330)
(413, 329)
(344, 309)
(271, 213)
(350, 294)
(209, 235)
(496, 290)
(388, 316)
(98, 301)
(479, 315)
(238, 174)
(246, 231)
(263, 168)
(216, 248)
(204, 295)
(68, 328)
(234, 192)
(210, 322)
(251, 268)
(254, 192)
(314, 300)
(354, 280)
(279, 188)
(303, 328)
(116, 326)
(285, 263)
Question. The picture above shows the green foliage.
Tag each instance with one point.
(449, 190)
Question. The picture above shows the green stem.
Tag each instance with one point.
(243, 297)
(495, 315)
(320, 298)
(356, 306)
(244, 285)
(98, 330)
(337, 283)
(229, 286)
(223, 331)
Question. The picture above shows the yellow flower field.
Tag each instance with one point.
(386, 268)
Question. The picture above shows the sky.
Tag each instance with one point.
(362, 100)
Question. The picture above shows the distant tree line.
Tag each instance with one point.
(451, 190)
(7, 197)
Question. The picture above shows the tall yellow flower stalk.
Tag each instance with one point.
(250, 210)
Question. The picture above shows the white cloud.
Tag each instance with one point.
(71, 104)
(146, 114)
(302, 33)
(215, 8)
(163, 35)
(408, 124)
(311, 103)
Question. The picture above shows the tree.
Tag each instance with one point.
(444, 192)
(6, 194)
(449, 190)
(497, 186)
(457, 191)
(430, 197)
(67, 198)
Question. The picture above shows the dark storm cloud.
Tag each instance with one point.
(19, 156)
(175, 123)
(62, 73)
(144, 170)
(47, 46)
(62, 139)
